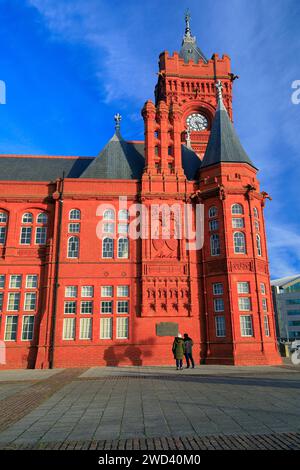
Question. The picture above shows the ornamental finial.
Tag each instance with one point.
(118, 119)
(187, 23)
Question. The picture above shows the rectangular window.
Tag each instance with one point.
(293, 301)
(2, 235)
(1, 301)
(220, 326)
(87, 291)
(15, 281)
(262, 288)
(122, 228)
(30, 301)
(25, 238)
(123, 291)
(238, 222)
(108, 227)
(11, 328)
(218, 288)
(13, 303)
(2, 281)
(244, 303)
(106, 291)
(219, 305)
(122, 328)
(246, 325)
(70, 291)
(266, 325)
(293, 312)
(69, 328)
(86, 307)
(105, 328)
(31, 281)
(85, 328)
(213, 225)
(265, 304)
(41, 236)
(106, 306)
(27, 328)
(122, 306)
(74, 228)
(243, 287)
(70, 308)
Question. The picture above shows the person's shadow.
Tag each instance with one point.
(110, 357)
(134, 354)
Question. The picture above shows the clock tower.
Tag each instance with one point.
(187, 81)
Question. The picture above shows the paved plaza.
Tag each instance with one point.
(141, 406)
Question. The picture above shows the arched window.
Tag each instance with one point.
(3, 227)
(27, 218)
(255, 212)
(214, 245)
(74, 214)
(42, 218)
(123, 248)
(107, 248)
(258, 245)
(237, 209)
(73, 247)
(26, 231)
(212, 212)
(123, 214)
(239, 242)
(109, 214)
(41, 232)
(256, 224)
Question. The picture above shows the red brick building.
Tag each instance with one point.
(69, 298)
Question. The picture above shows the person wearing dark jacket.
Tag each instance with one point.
(188, 350)
(178, 350)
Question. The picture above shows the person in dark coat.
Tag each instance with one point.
(188, 350)
(178, 350)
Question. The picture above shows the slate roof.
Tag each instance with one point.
(190, 50)
(118, 160)
(224, 144)
(285, 280)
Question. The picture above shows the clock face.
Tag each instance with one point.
(197, 122)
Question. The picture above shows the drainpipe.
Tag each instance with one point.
(56, 273)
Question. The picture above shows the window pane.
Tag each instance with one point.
(107, 248)
(15, 281)
(213, 225)
(266, 325)
(2, 281)
(243, 287)
(106, 306)
(244, 303)
(239, 242)
(70, 307)
(237, 209)
(238, 223)
(25, 238)
(85, 328)
(122, 291)
(109, 227)
(220, 326)
(109, 214)
(27, 218)
(11, 328)
(87, 291)
(123, 214)
(27, 328)
(1, 301)
(106, 291)
(69, 328)
(122, 328)
(71, 291)
(123, 248)
(122, 306)
(73, 247)
(105, 328)
(246, 325)
(31, 281)
(74, 214)
(258, 245)
(42, 218)
(74, 228)
(212, 212)
(218, 288)
(86, 307)
(214, 245)
(3, 217)
(2, 235)
(30, 301)
(13, 303)
(265, 304)
(263, 288)
(219, 305)
(40, 235)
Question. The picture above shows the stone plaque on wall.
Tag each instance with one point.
(166, 329)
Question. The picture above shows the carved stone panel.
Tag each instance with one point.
(166, 329)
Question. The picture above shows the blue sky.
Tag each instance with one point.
(69, 65)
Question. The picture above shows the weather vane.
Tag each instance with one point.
(118, 119)
(187, 23)
(219, 88)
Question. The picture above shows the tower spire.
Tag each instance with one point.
(189, 49)
(187, 24)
